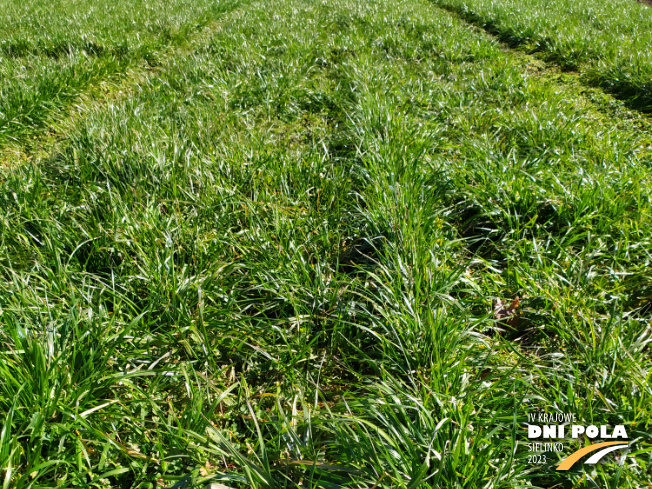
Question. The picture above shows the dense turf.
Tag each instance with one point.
(272, 262)
(607, 42)
(52, 52)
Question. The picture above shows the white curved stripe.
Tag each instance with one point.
(597, 456)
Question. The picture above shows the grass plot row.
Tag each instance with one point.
(52, 54)
(607, 42)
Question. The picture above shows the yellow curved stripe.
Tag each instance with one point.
(568, 462)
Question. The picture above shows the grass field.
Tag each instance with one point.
(258, 243)
(609, 43)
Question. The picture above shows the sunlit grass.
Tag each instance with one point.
(52, 53)
(273, 265)
(607, 42)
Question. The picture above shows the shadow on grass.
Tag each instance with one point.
(634, 91)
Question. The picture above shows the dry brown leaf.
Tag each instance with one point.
(505, 313)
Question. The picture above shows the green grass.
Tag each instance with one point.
(50, 53)
(607, 42)
(272, 263)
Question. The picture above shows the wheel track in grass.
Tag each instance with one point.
(608, 104)
(100, 92)
(120, 85)
(624, 96)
